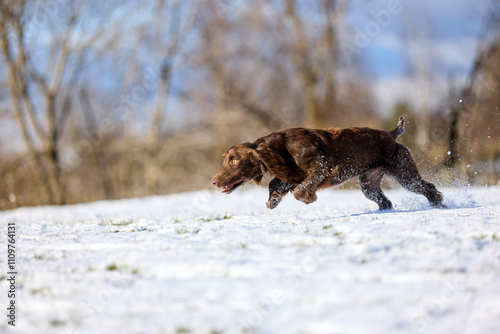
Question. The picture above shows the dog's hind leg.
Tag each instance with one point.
(277, 190)
(405, 170)
(370, 186)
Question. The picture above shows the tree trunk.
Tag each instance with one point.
(452, 139)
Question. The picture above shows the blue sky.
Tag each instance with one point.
(440, 35)
(446, 30)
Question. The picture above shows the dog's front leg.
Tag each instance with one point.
(306, 190)
(278, 189)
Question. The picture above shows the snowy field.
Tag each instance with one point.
(204, 262)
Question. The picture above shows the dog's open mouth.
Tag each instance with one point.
(230, 187)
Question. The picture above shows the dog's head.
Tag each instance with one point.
(240, 165)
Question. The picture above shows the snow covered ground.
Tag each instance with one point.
(204, 262)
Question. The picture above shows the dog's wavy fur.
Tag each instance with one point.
(303, 161)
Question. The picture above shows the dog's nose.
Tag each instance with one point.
(215, 182)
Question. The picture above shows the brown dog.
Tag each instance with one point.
(305, 160)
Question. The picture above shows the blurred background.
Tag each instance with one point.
(114, 99)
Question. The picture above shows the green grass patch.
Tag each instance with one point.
(209, 219)
(120, 222)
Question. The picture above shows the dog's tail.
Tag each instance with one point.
(399, 129)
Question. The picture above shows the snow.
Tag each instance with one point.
(204, 262)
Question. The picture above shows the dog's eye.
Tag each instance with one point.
(234, 162)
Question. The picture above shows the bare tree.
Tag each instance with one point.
(419, 53)
(42, 105)
(173, 21)
(315, 58)
(298, 52)
(20, 74)
(484, 68)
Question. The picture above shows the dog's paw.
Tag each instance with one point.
(440, 206)
(273, 201)
(301, 194)
(385, 205)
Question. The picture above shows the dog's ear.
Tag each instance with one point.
(258, 180)
(255, 157)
